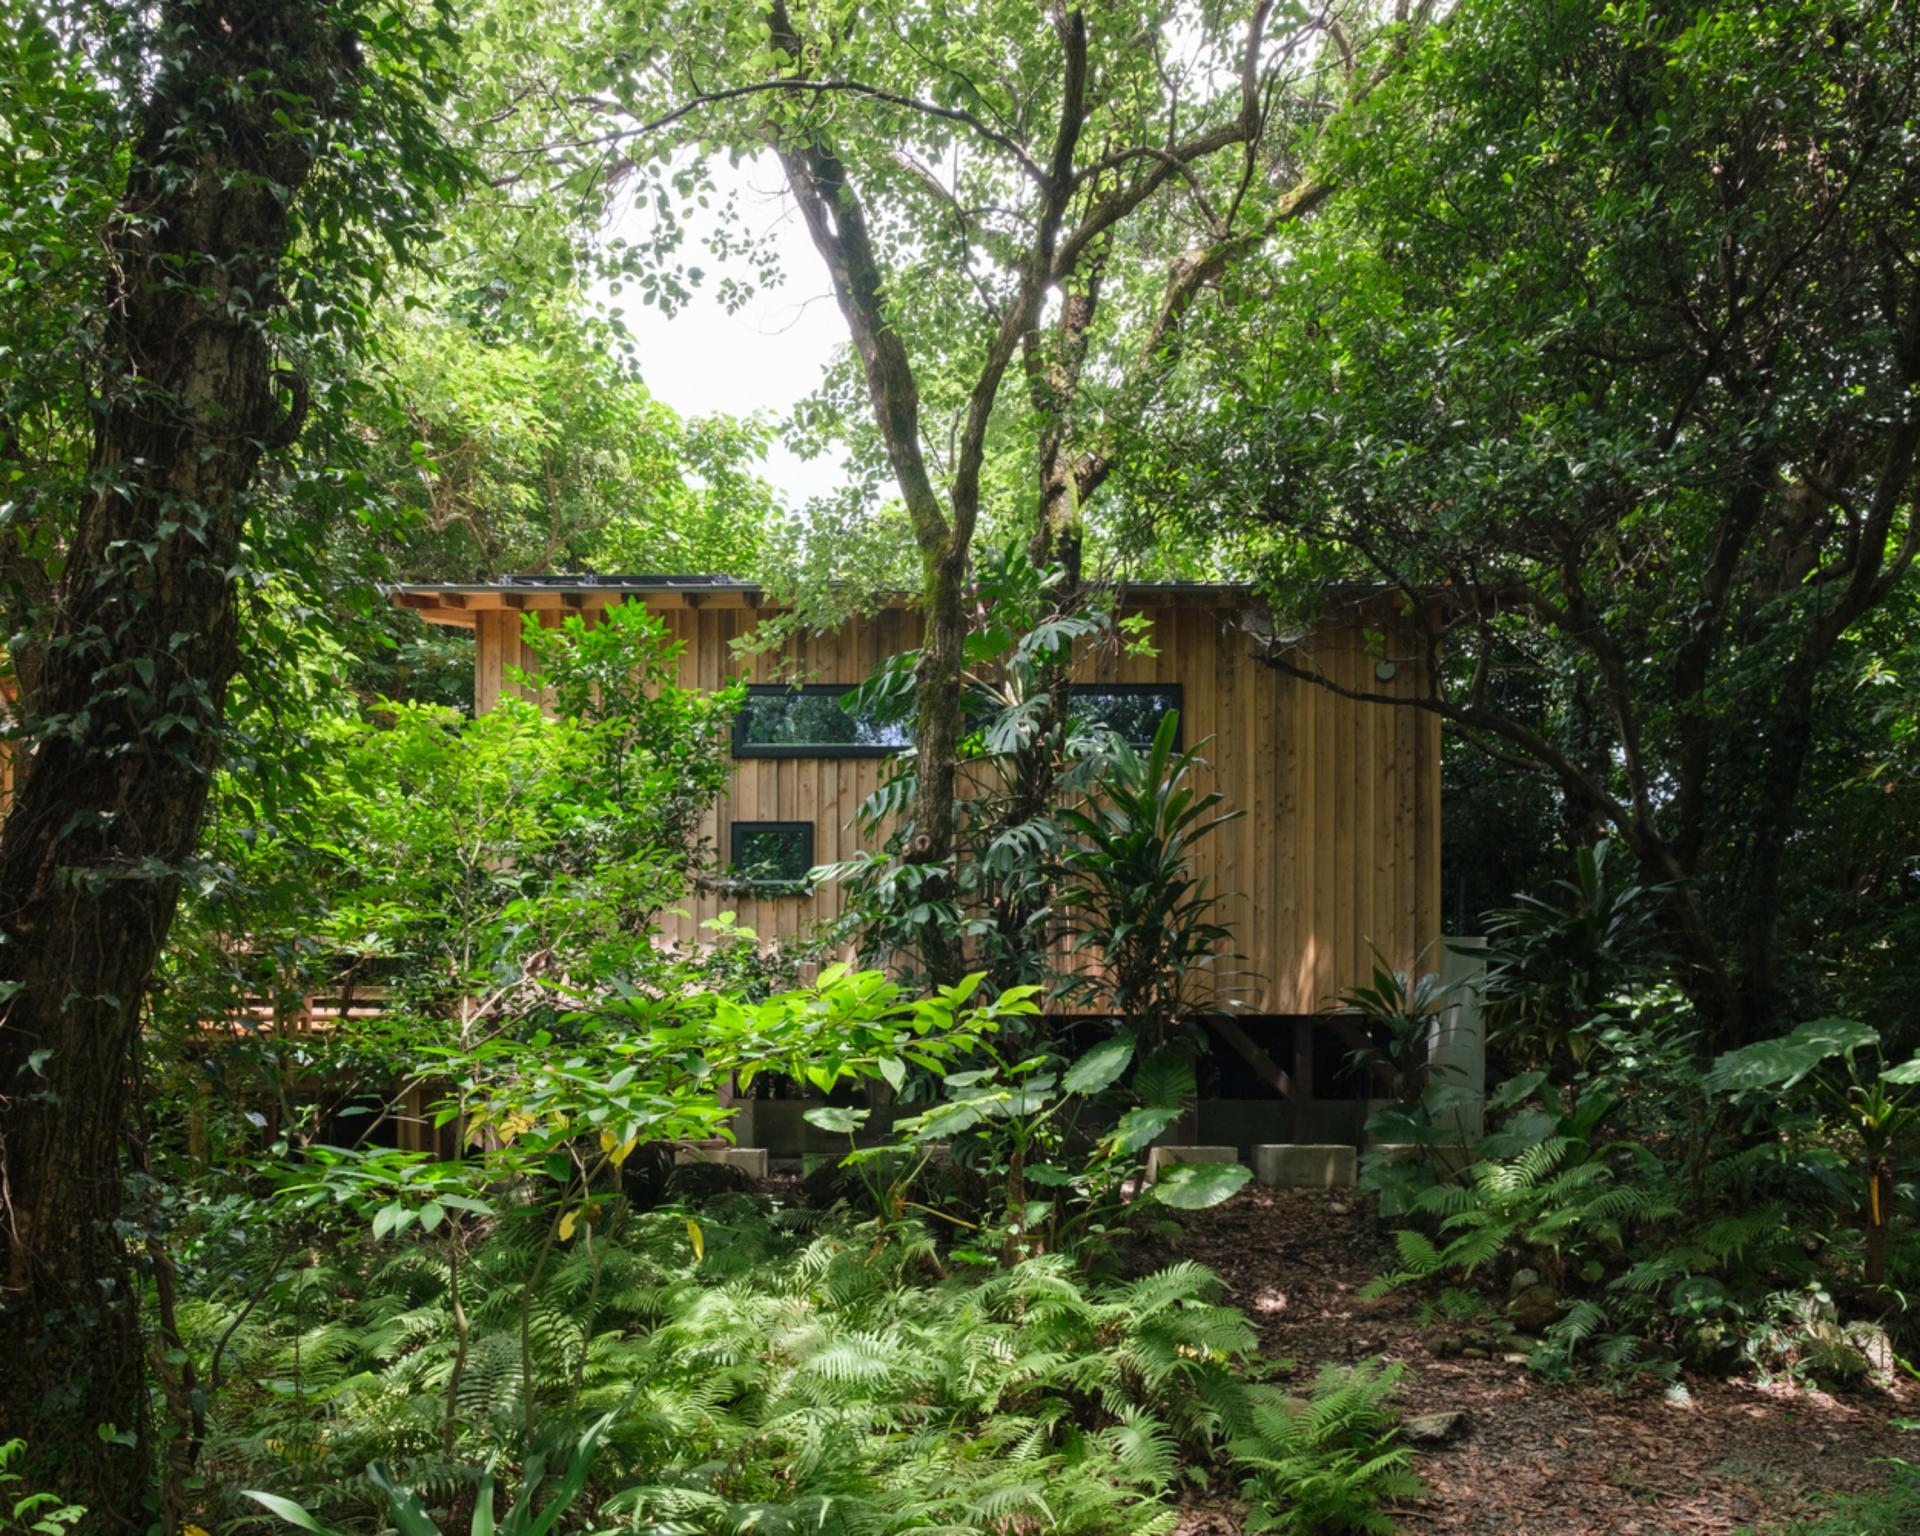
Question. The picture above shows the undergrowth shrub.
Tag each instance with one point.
(1655, 1253)
(773, 1371)
(1325, 1463)
(24, 1510)
(1648, 1205)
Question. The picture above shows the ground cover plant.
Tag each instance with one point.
(1872, 1514)
(344, 1063)
(1659, 1207)
(774, 1369)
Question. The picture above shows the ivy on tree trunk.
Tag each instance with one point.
(126, 687)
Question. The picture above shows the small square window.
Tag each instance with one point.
(773, 857)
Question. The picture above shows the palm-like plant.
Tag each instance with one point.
(1400, 1008)
(1560, 963)
(1871, 1100)
(1133, 897)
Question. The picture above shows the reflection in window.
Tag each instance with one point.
(809, 721)
(1132, 711)
(773, 856)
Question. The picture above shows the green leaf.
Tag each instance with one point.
(408, 1512)
(1515, 1090)
(483, 1506)
(1782, 1062)
(834, 1117)
(467, 1203)
(1100, 1067)
(579, 1465)
(1138, 1127)
(1195, 1186)
(1165, 1080)
(290, 1512)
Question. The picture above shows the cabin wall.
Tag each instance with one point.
(1339, 844)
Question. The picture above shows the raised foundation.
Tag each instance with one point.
(1304, 1165)
(752, 1161)
(1161, 1158)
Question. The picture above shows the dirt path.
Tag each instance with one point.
(1538, 1459)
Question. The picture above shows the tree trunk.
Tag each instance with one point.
(1054, 388)
(126, 715)
(938, 686)
(1879, 1208)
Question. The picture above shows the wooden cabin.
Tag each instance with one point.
(1339, 846)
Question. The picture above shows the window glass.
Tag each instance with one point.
(773, 855)
(1132, 711)
(809, 722)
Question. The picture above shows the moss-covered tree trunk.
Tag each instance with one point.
(939, 684)
(943, 526)
(129, 682)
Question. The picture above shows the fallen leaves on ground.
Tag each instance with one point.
(1540, 1459)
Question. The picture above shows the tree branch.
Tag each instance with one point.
(1021, 315)
(1534, 752)
(837, 224)
(794, 84)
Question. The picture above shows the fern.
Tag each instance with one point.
(1417, 1251)
(799, 1376)
(1326, 1462)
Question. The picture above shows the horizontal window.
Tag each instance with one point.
(1132, 711)
(808, 721)
(773, 856)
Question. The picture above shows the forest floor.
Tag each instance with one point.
(1537, 1458)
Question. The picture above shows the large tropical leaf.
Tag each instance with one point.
(292, 1513)
(1195, 1186)
(835, 1117)
(1100, 1067)
(1165, 1080)
(1782, 1062)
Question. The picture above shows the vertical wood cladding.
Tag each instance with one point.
(1338, 846)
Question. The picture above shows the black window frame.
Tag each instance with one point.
(744, 748)
(1176, 693)
(735, 864)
